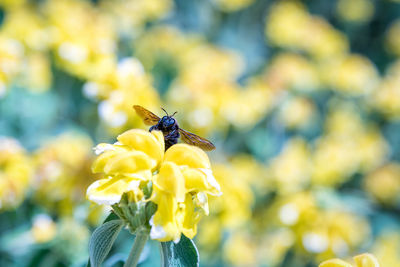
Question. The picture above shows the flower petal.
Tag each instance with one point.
(171, 180)
(195, 180)
(151, 144)
(335, 263)
(128, 163)
(109, 191)
(186, 155)
(214, 187)
(189, 218)
(101, 160)
(163, 223)
(366, 260)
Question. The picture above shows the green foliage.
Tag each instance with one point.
(102, 240)
(182, 254)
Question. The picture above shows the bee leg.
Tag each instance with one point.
(171, 138)
(174, 134)
(152, 128)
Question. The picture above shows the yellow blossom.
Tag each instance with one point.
(393, 38)
(15, 173)
(355, 10)
(27, 26)
(234, 209)
(323, 233)
(290, 71)
(386, 248)
(363, 260)
(289, 25)
(36, 74)
(83, 40)
(240, 250)
(351, 74)
(348, 145)
(124, 83)
(44, 229)
(297, 112)
(274, 246)
(290, 170)
(133, 158)
(384, 184)
(181, 179)
(62, 172)
(386, 99)
(11, 60)
(232, 5)
(121, 12)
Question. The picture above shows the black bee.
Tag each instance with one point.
(171, 130)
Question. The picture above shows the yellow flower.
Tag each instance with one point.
(44, 229)
(384, 184)
(363, 260)
(11, 60)
(297, 112)
(15, 173)
(181, 180)
(37, 74)
(232, 5)
(289, 25)
(292, 71)
(240, 250)
(63, 172)
(319, 232)
(393, 38)
(133, 158)
(180, 190)
(26, 25)
(387, 247)
(82, 38)
(387, 97)
(351, 74)
(355, 10)
(121, 85)
(290, 170)
(121, 12)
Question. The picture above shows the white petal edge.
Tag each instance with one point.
(109, 199)
(103, 147)
(212, 181)
(203, 202)
(156, 232)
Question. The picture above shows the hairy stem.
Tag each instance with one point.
(138, 245)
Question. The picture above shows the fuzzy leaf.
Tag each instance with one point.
(102, 240)
(183, 254)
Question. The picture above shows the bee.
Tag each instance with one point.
(170, 128)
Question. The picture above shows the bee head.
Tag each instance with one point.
(167, 122)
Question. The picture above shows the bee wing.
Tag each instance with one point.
(196, 140)
(149, 118)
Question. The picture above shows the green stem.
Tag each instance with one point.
(138, 245)
(164, 254)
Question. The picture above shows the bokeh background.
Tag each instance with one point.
(301, 98)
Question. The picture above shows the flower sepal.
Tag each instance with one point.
(135, 214)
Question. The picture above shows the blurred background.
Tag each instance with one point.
(301, 98)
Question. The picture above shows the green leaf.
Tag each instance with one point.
(110, 217)
(102, 240)
(183, 254)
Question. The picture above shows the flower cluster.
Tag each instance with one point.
(181, 180)
(302, 99)
(200, 99)
(62, 173)
(363, 260)
(15, 173)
